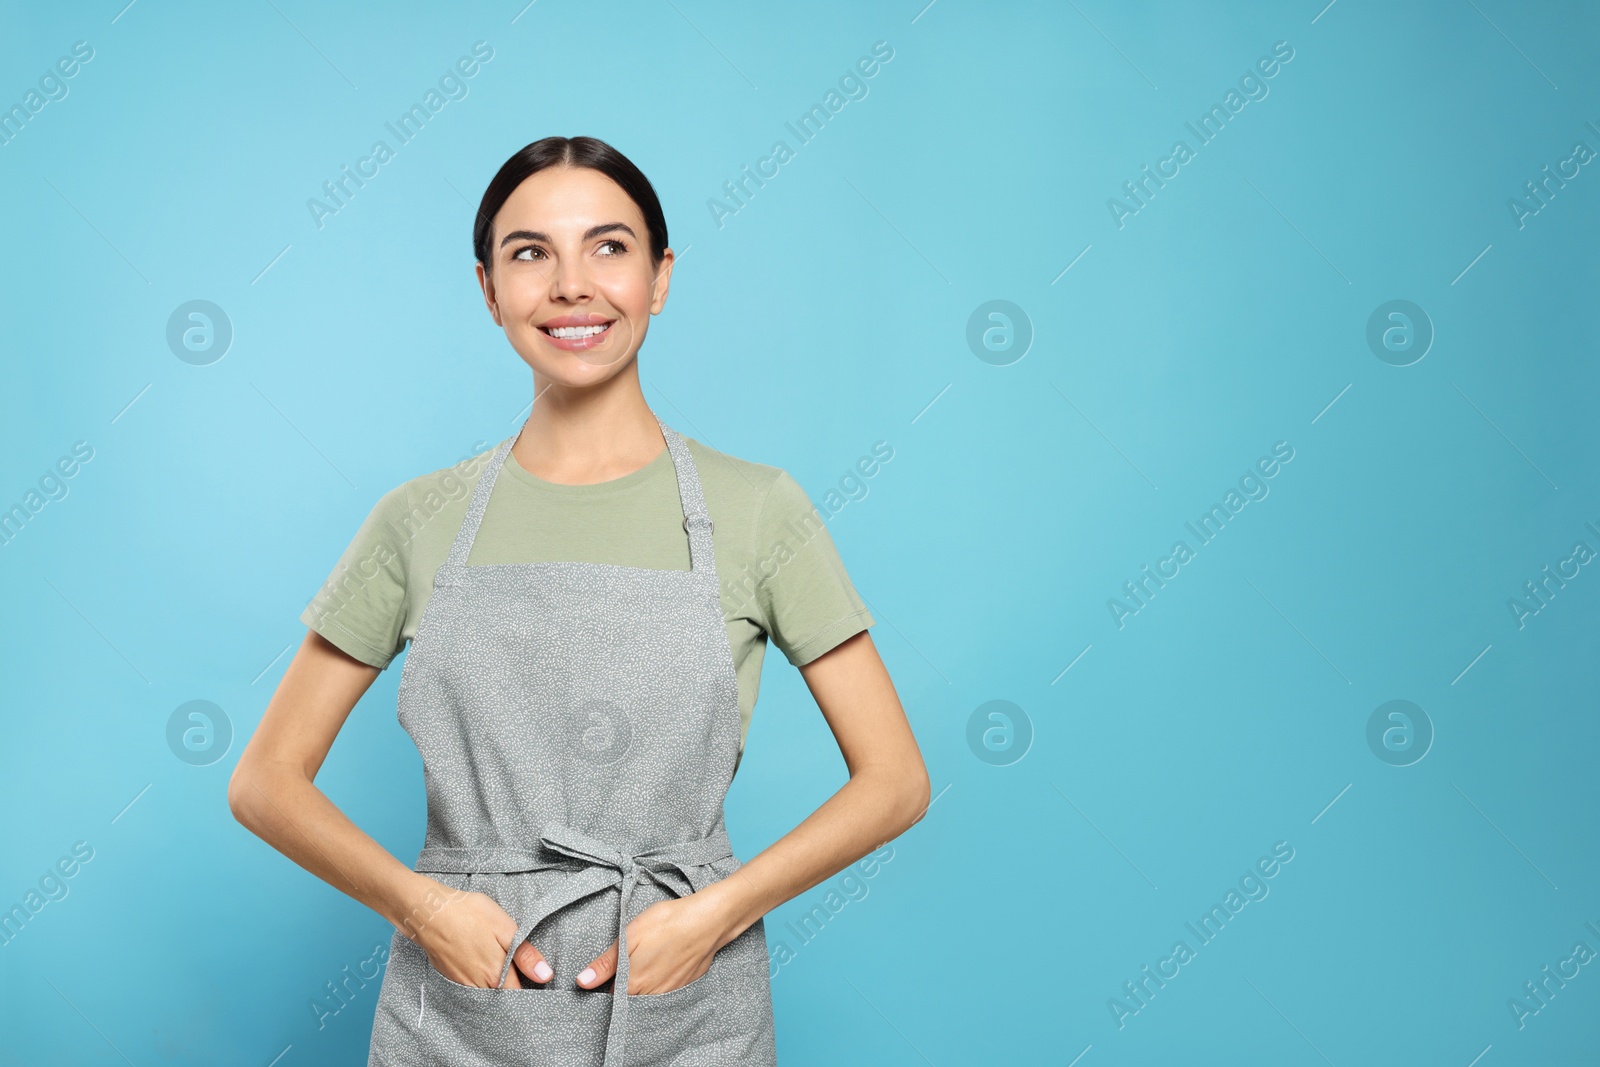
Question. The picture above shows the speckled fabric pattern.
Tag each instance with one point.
(579, 728)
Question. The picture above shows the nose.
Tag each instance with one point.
(569, 279)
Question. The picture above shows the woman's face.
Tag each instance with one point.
(570, 253)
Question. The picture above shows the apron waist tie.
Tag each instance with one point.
(607, 866)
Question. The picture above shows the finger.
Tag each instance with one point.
(601, 970)
(531, 962)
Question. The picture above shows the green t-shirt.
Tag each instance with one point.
(780, 573)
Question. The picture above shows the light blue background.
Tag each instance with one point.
(831, 312)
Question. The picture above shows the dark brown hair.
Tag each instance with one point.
(569, 152)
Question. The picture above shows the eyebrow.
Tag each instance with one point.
(588, 235)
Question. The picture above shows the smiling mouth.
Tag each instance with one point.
(576, 333)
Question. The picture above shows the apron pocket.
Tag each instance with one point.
(727, 1009)
(683, 992)
(475, 1026)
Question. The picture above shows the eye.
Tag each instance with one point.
(620, 246)
(530, 248)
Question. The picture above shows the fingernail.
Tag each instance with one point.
(542, 971)
(586, 976)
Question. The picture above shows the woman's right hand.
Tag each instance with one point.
(466, 941)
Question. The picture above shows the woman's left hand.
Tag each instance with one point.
(670, 944)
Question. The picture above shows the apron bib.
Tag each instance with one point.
(579, 727)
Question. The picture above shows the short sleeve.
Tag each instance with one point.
(807, 601)
(361, 607)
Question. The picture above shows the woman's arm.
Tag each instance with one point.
(271, 791)
(272, 794)
(887, 792)
(672, 942)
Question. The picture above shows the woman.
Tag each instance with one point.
(579, 684)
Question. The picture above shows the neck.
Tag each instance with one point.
(578, 437)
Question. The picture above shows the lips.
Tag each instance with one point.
(577, 332)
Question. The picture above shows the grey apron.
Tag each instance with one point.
(579, 727)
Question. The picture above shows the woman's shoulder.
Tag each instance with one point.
(762, 499)
(732, 481)
(417, 501)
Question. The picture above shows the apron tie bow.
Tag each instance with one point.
(606, 866)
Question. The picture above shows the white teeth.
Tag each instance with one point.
(572, 333)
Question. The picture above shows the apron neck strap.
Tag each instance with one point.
(691, 497)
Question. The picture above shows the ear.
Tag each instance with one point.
(486, 283)
(661, 282)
